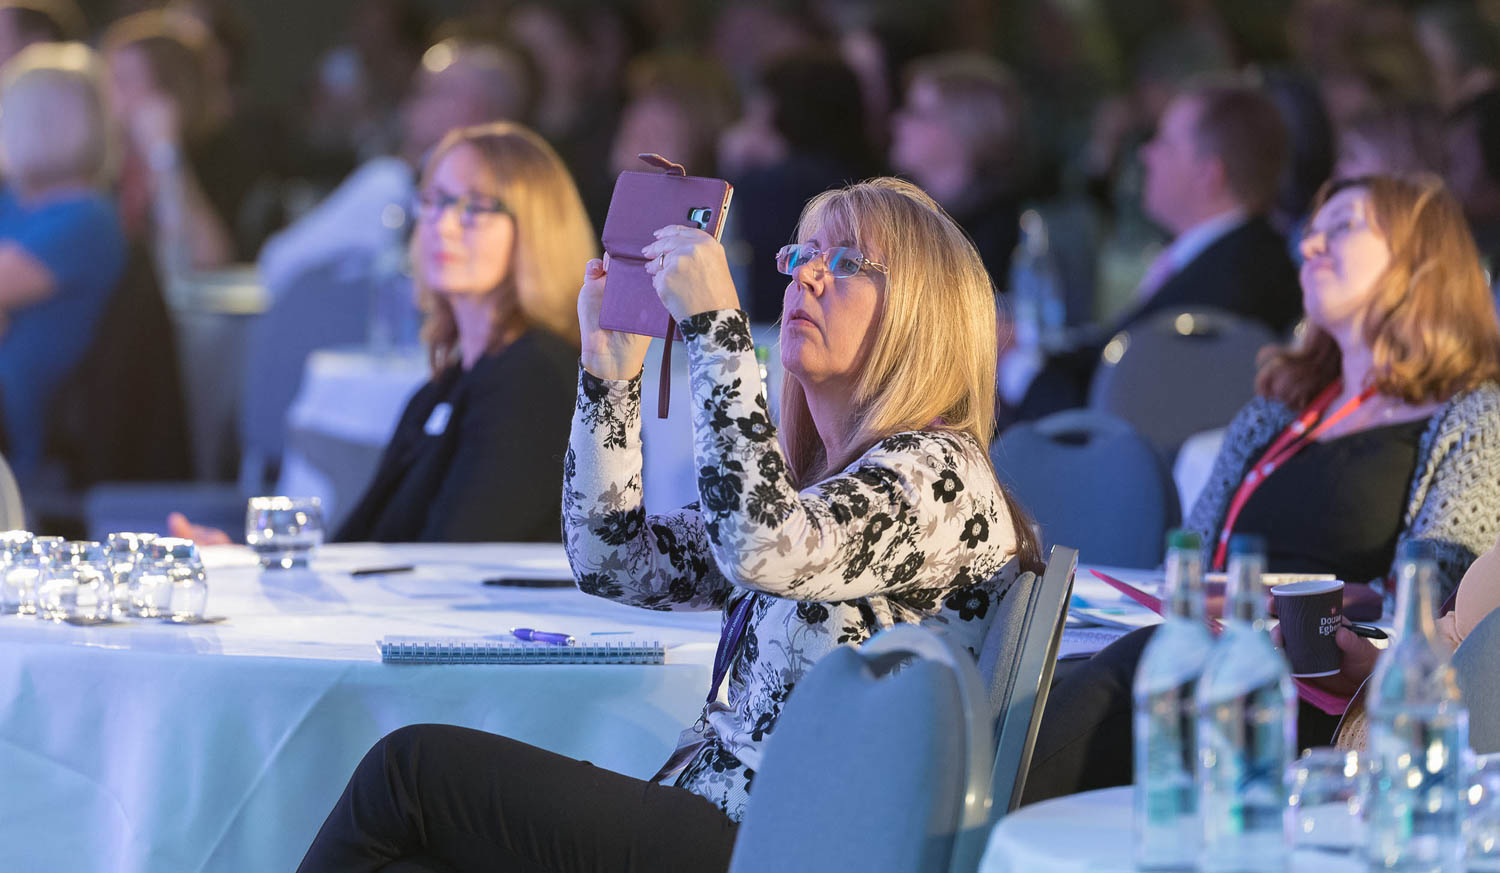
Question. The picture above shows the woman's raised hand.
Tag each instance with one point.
(689, 271)
(608, 354)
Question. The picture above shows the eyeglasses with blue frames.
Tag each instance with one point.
(472, 209)
(841, 261)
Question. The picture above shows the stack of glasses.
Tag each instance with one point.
(127, 576)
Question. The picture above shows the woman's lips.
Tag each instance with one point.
(799, 315)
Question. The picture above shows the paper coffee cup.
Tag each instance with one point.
(1311, 613)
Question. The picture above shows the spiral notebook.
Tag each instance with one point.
(481, 650)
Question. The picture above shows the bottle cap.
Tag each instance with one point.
(1180, 538)
(1247, 544)
(1415, 550)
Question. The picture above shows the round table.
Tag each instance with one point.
(143, 747)
(1091, 832)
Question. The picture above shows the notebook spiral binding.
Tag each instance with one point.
(470, 650)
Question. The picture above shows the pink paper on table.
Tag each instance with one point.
(1327, 701)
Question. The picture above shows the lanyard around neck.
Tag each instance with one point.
(1308, 427)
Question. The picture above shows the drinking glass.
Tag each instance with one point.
(1482, 824)
(1326, 796)
(283, 531)
(17, 571)
(75, 585)
(126, 552)
(170, 582)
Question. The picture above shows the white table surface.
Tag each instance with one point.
(221, 747)
(1091, 833)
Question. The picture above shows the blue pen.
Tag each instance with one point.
(536, 636)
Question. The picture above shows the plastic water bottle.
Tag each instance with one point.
(1419, 736)
(1247, 729)
(1035, 288)
(1167, 826)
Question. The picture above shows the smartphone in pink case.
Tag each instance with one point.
(642, 203)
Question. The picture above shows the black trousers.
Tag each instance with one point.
(1086, 741)
(441, 798)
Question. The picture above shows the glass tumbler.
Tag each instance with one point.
(18, 571)
(1326, 799)
(283, 531)
(75, 585)
(1482, 824)
(126, 551)
(170, 580)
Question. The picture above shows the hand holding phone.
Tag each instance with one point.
(608, 354)
(690, 272)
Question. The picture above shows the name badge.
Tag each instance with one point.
(437, 422)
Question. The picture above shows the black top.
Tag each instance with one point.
(991, 216)
(1337, 506)
(1247, 271)
(492, 472)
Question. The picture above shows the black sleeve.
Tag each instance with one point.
(505, 480)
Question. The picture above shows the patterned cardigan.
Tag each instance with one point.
(1454, 501)
(915, 530)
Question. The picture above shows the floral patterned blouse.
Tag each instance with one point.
(915, 530)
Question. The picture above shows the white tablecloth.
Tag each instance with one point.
(150, 748)
(1091, 833)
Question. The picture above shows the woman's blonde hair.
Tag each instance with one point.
(553, 239)
(53, 125)
(932, 360)
(1430, 322)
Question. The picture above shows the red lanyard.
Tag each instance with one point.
(1291, 441)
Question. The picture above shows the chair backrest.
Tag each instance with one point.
(1474, 663)
(1092, 481)
(874, 768)
(12, 514)
(1178, 373)
(127, 385)
(326, 306)
(1018, 657)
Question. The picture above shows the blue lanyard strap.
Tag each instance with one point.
(729, 641)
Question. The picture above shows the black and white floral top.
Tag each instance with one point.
(915, 530)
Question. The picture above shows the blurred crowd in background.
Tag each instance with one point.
(291, 137)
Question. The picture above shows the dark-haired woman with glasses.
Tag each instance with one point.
(874, 505)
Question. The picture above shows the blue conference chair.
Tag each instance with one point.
(1474, 663)
(1092, 481)
(1018, 656)
(1179, 373)
(872, 768)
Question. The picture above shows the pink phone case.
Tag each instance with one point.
(643, 202)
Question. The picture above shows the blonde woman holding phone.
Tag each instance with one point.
(874, 505)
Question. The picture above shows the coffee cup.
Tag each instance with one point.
(1311, 613)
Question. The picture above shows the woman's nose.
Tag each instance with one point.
(811, 275)
(1313, 243)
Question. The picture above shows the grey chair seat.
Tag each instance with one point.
(1091, 481)
(874, 768)
(1179, 373)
